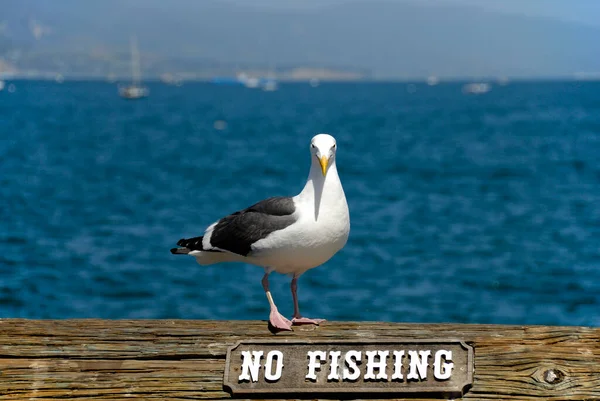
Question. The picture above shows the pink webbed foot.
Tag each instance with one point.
(304, 320)
(277, 322)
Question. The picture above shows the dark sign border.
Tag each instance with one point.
(234, 389)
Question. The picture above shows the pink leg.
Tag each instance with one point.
(298, 319)
(277, 321)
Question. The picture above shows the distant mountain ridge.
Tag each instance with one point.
(392, 40)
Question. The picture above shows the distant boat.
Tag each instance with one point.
(171, 79)
(243, 79)
(432, 80)
(252, 82)
(314, 82)
(59, 78)
(135, 90)
(270, 85)
(476, 88)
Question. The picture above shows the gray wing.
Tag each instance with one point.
(237, 232)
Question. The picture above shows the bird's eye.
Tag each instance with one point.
(333, 147)
(312, 145)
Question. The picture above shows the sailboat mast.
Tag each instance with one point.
(135, 61)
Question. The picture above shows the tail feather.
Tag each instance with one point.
(188, 245)
(206, 256)
(180, 251)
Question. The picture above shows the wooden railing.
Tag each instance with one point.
(183, 360)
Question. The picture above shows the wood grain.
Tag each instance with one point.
(183, 360)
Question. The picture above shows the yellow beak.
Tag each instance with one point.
(324, 161)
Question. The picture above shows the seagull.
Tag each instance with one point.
(287, 235)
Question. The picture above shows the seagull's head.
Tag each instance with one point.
(323, 147)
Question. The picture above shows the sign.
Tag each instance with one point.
(353, 366)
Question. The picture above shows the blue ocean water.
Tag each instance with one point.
(470, 209)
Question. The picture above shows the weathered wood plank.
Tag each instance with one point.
(181, 360)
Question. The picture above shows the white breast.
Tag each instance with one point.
(321, 230)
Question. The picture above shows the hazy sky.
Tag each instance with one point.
(386, 38)
(579, 11)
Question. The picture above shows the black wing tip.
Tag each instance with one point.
(191, 244)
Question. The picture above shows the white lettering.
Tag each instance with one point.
(250, 365)
(269, 375)
(443, 371)
(398, 356)
(314, 363)
(333, 369)
(351, 358)
(418, 365)
(372, 365)
(348, 366)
